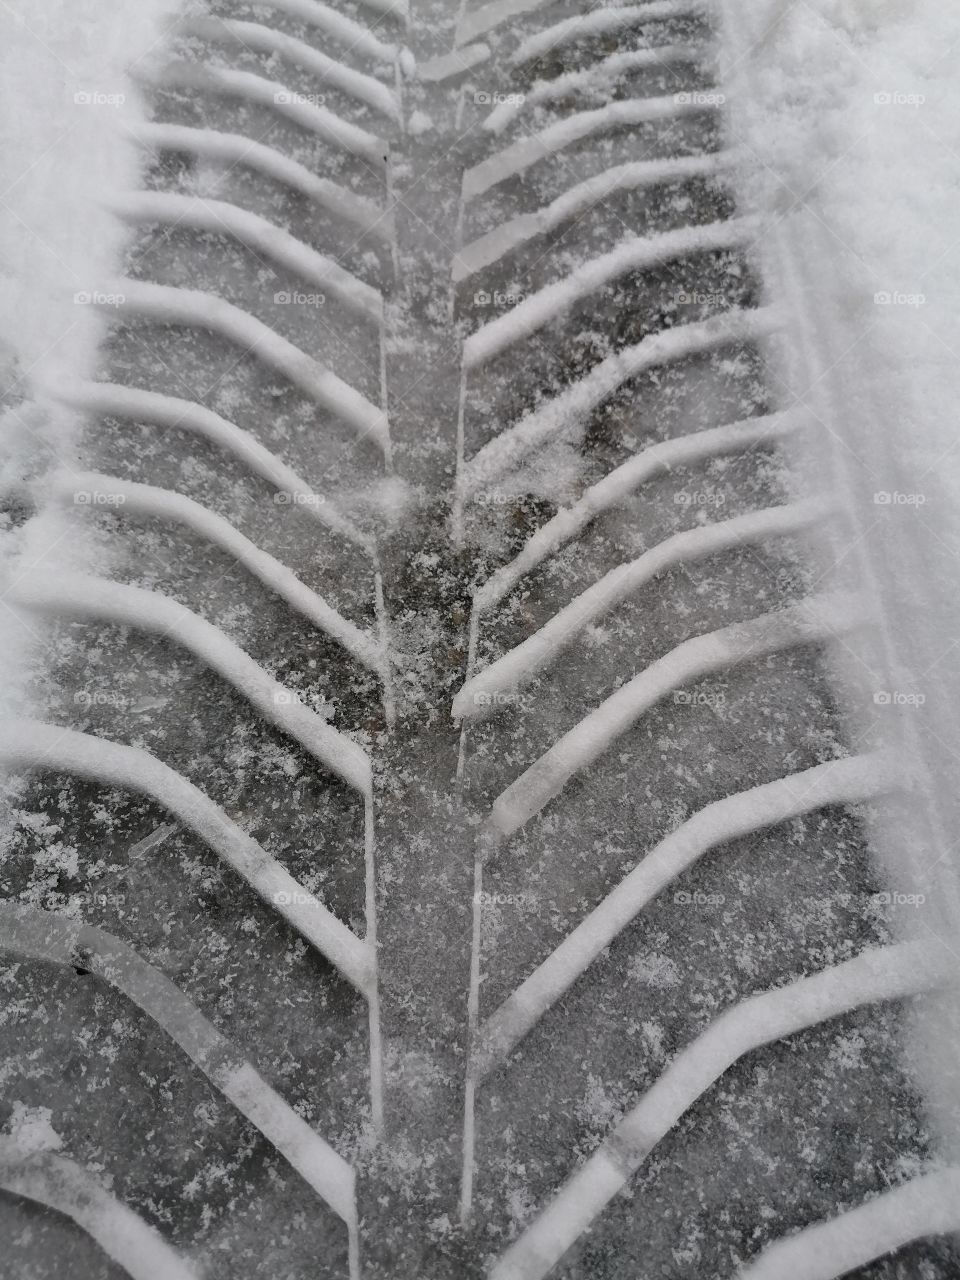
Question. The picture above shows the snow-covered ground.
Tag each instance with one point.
(66, 102)
(847, 114)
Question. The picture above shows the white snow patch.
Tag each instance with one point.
(846, 110)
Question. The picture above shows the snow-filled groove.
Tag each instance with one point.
(602, 21)
(571, 407)
(619, 484)
(508, 236)
(129, 498)
(253, 35)
(596, 76)
(174, 414)
(167, 305)
(927, 1205)
(847, 781)
(204, 214)
(236, 149)
(101, 600)
(30, 744)
(249, 87)
(74, 1191)
(813, 621)
(528, 151)
(522, 663)
(636, 254)
(65, 941)
(884, 974)
(477, 22)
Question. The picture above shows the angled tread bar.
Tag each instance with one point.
(70, 1189)
(236, 149)
(166, 304)
(812, 621)
(882, 974)
(65, 941)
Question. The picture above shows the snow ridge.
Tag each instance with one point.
(99, 599)
(522, 663)
(620, 483)
(57, 939)
(571, 406)
(845, 781)
(635, 254)
(72, 1190)
(166, 304)
(882, 974)
(129, 498)
(31, 744)
(236, 149)
(814, 620)
(520, 155)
